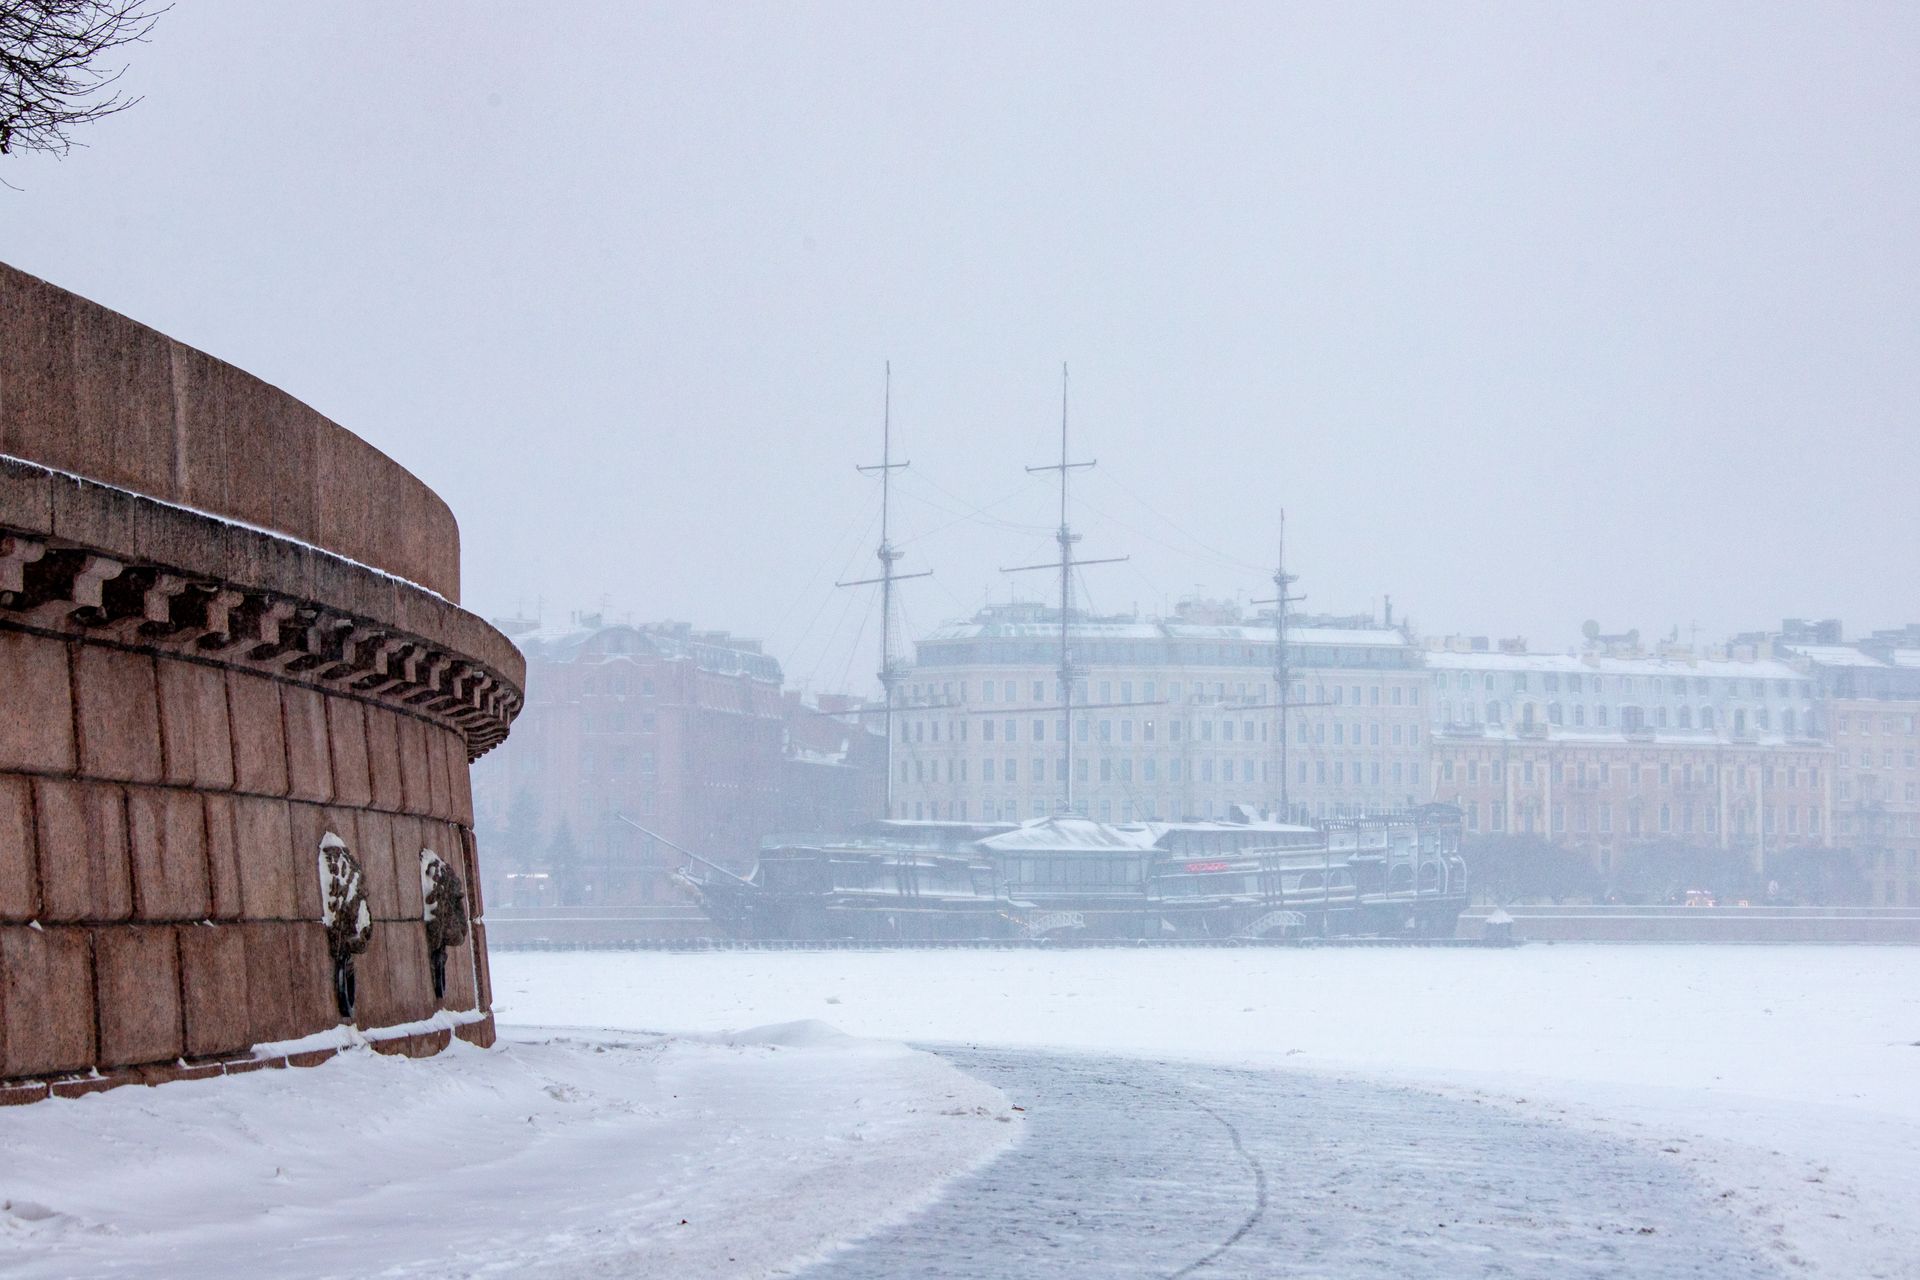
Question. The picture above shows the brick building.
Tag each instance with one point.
(1599, 750)
(834, 770)
(1870, 707)
(685, 732)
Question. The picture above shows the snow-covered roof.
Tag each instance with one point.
(1066, 834)
(1834, 655)
(708, 651)
(1163, 630)
(807, 755)
(1278, 828)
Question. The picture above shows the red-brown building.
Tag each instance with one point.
(686, 733)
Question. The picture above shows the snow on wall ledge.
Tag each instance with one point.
(194, 709)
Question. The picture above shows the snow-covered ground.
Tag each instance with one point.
(1785, 1078)
(550, 1155)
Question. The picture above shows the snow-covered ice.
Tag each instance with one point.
(562, 1154)
(1786, 1079)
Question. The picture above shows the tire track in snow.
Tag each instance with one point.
(1259, 1199)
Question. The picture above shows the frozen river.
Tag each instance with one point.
(1134, 1168)
(1774, 1082)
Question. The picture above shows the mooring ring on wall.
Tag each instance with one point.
(443, 899)
(345, 913)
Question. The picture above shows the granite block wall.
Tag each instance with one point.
(188, 705)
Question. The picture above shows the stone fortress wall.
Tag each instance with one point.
(228, 628)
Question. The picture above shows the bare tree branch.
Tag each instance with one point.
(51, 77)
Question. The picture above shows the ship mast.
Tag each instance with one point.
(1282, 673)
(1282, 668)
(890, 672)
(1066, 537)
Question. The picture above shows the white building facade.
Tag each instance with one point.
(1173, 718)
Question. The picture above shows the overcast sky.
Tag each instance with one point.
(1527, 314)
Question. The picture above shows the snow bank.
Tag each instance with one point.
(1786, 1078)
(561, 1155)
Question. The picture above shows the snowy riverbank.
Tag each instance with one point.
(1786, 1079)
(562, 1154)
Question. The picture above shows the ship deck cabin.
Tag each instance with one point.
(841, 871)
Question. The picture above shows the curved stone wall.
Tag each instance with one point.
(89, 391)
(190, 706)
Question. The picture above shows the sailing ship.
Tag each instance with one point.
(1067, 876)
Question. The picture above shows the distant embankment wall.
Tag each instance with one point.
(1872, 925)
(227, 629)
(586, 926)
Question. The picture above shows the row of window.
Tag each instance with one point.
(1601, 775)
(1843, 722)
(1910, 791)
(1151, 769)
(1632, 718)
(1399, 735)
(1686, 819)
(1088, 691)
(1124, 731)
(1908, 759)
(617, 683)
(618, 721)
(1146, 809)
(1578, 682)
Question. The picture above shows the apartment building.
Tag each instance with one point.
(1175, 717)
